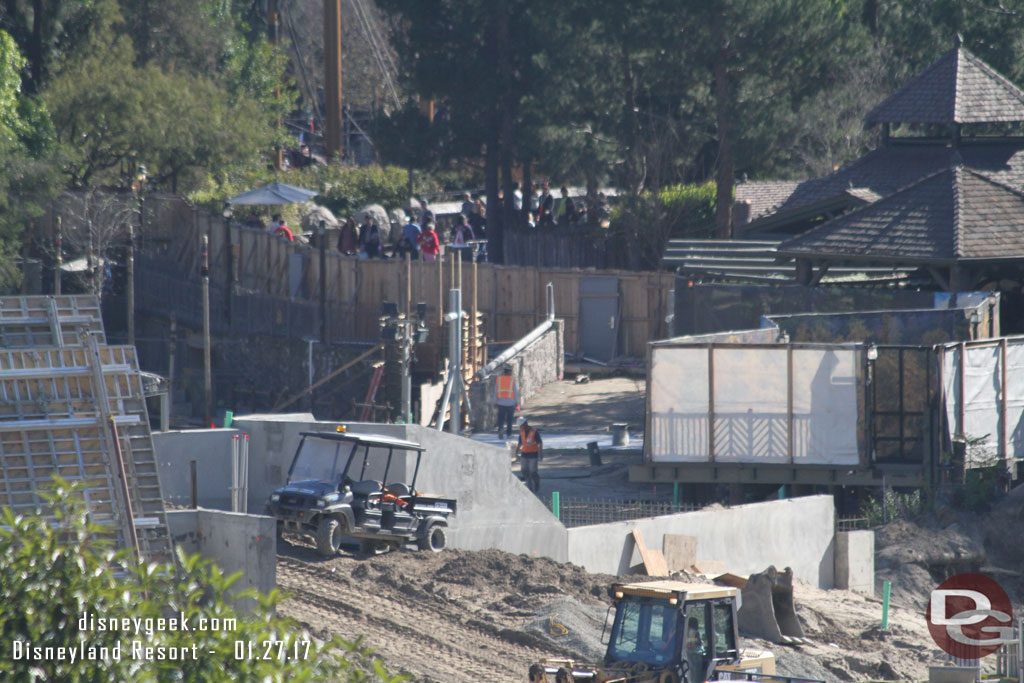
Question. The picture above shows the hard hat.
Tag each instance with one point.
(522, 420)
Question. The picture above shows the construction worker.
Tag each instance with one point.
(531, 448)
(506, 396)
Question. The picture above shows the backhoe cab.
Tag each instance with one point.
(668, 632)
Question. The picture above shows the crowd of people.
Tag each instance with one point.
(419, 237)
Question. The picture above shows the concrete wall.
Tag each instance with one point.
(211, 449)
(793, 533)
(855, 561)
(495, 510)
(236, 542)
(536, 365)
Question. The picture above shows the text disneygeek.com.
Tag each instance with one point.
(141, 649)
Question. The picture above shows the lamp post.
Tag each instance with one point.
(230, 284)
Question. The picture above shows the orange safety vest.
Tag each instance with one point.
(505, 387)
(528, 435)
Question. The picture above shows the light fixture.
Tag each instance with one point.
(872, 352)
(228, 211)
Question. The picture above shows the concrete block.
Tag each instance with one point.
(855, 561)
(953, 674)
(680, 551)
(211, 449)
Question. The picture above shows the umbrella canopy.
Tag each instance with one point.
(274, 193)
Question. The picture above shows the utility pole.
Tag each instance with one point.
(274, 29)
(207, 380)
(332, 78)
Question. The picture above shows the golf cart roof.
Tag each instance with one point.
(373, 440)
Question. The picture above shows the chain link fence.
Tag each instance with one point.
(574, 512)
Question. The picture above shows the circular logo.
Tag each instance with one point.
(970, 616)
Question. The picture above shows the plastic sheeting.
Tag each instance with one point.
(751, 415)
(981, 414)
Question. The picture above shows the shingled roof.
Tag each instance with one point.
(887, 169)
(764, 196)
(958, 88)
(952, 215)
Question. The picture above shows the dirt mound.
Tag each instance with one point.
(522, 575)
(571, 625)
(925, 543)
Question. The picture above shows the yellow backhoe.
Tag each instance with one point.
(668, 632)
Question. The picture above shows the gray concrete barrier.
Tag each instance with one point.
(855, 561)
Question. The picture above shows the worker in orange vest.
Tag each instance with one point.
(531, 448)
(506, 396)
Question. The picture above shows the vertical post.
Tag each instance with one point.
(789, 401)
(675, 496)
(1004, 449)
(311, 374)
(272, 23)
(207, 379)
(440, 292)
(711, 402)
(332, 78)
(455, 360)
(172, 342)
(130, 285)
(556, 505)
(474, 329)
(886, 591)
(194, 494)
(322, 243)
(961, 404)
(229, 251)
(58, 247)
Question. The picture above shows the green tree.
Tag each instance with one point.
(107, 112)
(56, 567)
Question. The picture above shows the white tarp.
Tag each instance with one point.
(750, 405)
(679, 404)
(982, 401)
(825, 406)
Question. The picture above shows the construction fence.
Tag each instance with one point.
(510, 299)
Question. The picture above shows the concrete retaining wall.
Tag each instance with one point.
(855, 561)
(495, 510)
(236, 542)
(536, 365)
(793, 533)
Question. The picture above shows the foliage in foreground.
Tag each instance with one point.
(54, 570)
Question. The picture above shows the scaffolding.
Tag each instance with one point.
(74, 407)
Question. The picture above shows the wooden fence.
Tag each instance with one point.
(511, 298)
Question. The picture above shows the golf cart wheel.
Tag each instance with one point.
(328, 536)
(434, 540)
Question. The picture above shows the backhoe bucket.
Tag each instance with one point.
(767, 609)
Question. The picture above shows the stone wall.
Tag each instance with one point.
(541, 362)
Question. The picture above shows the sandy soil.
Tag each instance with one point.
(485, 616)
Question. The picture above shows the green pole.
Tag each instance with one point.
(886, 590)
(675, 496)
(228, 416)
(556, 504)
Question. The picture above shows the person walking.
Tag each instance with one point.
(531, 448)
(545, 204)
(409, 242)
(506, 397)
(565, 209)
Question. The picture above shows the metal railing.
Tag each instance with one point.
(574, 512)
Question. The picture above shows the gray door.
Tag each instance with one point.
(599, 317)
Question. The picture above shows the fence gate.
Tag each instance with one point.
(599, 317)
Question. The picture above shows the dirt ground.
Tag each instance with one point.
(566, 406)
(485, 616)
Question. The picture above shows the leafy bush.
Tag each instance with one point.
(56, 568)
(897, 506)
